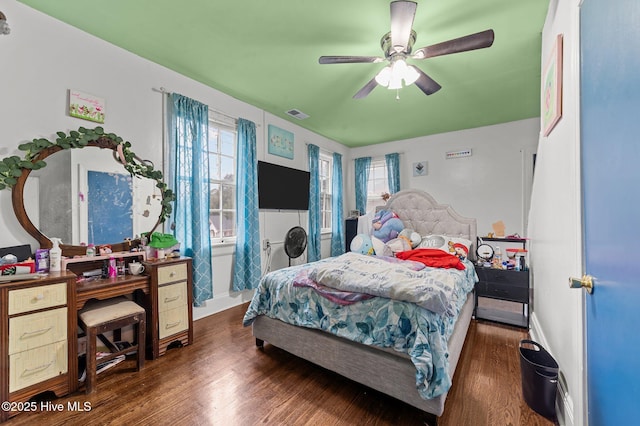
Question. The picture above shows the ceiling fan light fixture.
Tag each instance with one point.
(395, 83)
(384, 76)
(410, 75)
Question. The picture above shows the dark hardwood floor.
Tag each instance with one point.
(223, 379)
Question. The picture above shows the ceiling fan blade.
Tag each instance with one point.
(428, 85)
(402, 14)
(349, 59)
(463, 44)
(366, 89)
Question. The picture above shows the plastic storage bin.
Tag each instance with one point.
(539, 378)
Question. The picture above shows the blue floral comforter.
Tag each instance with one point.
(388, 323)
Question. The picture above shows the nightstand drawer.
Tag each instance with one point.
(172, 273)
(172, 296)
(502, 291)
(501, 276)
(34, 298)
(36, 365)
(35, 330)
(173, 321)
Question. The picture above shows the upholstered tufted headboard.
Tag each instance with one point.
(420, 211)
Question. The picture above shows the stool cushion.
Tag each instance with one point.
(102, 311)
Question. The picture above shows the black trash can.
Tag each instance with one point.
(539, 378)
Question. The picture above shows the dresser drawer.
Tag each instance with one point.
(35, 330)
(172, 296)
(34, 298)
(502, 291)
(501, 276)
(173, 321)
(172, 273)
(36, 365)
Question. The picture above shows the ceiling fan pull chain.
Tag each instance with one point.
(397, 94)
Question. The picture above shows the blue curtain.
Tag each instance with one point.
(246, 269)
(313, 247)
(337, 222)
(362, 177)
(393, 172)
(189, 174)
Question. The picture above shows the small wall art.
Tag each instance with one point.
(420, 168)
(86, 106)
(280, 142)
(552, 88)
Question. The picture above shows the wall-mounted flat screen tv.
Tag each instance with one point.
(282, 188)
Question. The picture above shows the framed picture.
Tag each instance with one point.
(420, 168)
(86, 106)
(552, 88)
(280, 142)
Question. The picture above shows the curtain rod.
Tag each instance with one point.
(166, 92)
(376, 157)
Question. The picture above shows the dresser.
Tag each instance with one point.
(34, 338)
(171, 289)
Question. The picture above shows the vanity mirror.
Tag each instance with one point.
(65, 180)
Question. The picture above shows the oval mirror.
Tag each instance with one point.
(82, 195)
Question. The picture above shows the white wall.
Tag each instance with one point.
(491, 185)
(42, 58)
(555, 224)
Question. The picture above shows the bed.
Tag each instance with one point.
(418, 370)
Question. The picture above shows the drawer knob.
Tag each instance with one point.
(171, 299)
(39, 296)
(172, 274)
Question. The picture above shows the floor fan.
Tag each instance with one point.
(295, 242)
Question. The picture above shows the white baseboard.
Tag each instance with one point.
(221, 302)
(564, 402)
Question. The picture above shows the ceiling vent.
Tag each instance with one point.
(297, 114)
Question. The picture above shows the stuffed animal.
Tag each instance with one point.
(386, 225)
(397, 245)
(362, 244)
(406, 240)
(459, 250)
(380, 248)
(412, 237)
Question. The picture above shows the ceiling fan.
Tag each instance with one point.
(397, 47)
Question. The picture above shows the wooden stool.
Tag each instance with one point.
(98, 317)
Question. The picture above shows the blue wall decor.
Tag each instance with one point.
(280, 142)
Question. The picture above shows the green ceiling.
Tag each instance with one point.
(266, 54)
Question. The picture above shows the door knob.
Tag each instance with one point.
(586, 281)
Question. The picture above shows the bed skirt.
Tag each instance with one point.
(395, 373)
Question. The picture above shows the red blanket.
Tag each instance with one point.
(432, 257)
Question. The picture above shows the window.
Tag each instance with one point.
(222, 181)
(325, 170)
(377, 184)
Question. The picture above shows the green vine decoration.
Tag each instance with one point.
(11, 168)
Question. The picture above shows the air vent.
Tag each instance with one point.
(297, 114)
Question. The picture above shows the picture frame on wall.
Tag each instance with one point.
(280, 142)
(85, 106)
(420, 168)
(552, 88)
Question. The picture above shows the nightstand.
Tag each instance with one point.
(501, 284)
(504, 285)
